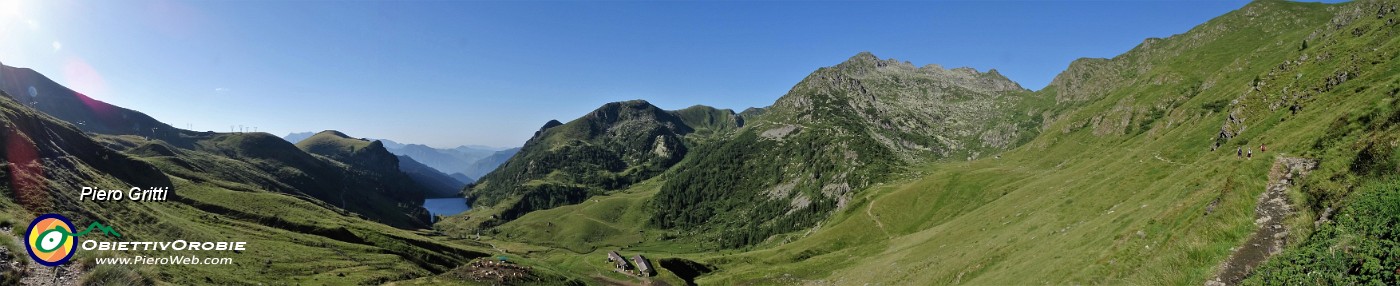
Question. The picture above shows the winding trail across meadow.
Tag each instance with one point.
(876, 219)
(1270, 212)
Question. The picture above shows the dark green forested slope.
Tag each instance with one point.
(618, 144)
(372, 173)
(1123, 172)
(435, 183)
(709, 120)
(840, 130)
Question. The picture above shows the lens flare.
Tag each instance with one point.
(26, 171)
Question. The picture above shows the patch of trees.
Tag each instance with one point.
(545, 196)
(575, 161)
(726, 189)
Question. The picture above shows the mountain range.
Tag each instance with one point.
(327, 205)
(464, 163)
(1121, 171)
(1257, 148)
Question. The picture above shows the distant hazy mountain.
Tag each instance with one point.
(438, 185)
(465, 163)
(258, 160)
(298, 136)
(445, 160)
(462, 178)
(485, 165)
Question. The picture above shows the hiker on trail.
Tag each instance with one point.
(1239, 152)
(1262, 148)
(1251, 154)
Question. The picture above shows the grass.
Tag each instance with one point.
(1086, 202)
(333, 246)
(291, 238)
(1366, 236)
(305, 244)
(574, 239)
(14, 252)
(1068, 209)
(332, 142)
(1114, 191)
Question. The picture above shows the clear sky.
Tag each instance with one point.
(449, 73)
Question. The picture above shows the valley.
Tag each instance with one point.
(1245, 151)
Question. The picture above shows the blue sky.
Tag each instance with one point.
(448, 73)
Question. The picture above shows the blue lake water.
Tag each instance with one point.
(447, 206)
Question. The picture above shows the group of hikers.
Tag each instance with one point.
(1249, 154)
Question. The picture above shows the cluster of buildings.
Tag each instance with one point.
(642, 266)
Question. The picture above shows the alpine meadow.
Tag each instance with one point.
(1261, 147)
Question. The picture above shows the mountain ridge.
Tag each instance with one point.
(839, 130)
(219, 188)
(473, 161)
(878, 171)
(438, 185)
(610, 148)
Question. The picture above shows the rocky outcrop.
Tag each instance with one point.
(911, 110)
(836, 132)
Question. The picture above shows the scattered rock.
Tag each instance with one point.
(1270, 211)
(779, 132)
(1211, 207)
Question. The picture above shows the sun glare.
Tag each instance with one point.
(11, 9)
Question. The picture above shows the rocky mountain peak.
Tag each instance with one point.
(866, 64)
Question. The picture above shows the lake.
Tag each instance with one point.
(447, 206)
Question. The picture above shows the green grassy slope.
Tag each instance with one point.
(1123, 171)
(290, 238)
(337, 145)
(1350, 200)
(839, 130)
(573, 240)
(371, 181)
(260, 161)
(709, 121)
(1116, 192)
(1122, 186)
(72, 106)
(618, 144)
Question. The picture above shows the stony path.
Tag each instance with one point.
(1270, 212)
(43, 275)
(39, 275)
